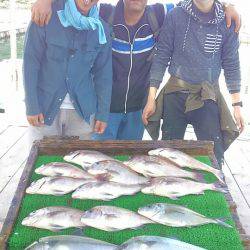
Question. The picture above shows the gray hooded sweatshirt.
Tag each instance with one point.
(196, 46)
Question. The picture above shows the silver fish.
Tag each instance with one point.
(86, 158)
(154, 166)
(185, 160)
(177, 216)
(54, 185)
(109, 218)
(116, 171)
(156, 243)
(67, 242)
(54, 218)
(62, 169)
(174, 187)
(103, 190)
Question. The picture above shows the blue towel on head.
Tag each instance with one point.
(70, 16)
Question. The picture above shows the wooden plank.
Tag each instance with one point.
(53, 145)
(8, 193)
(16, 201)
(9, 137)
(236, 157)
(243, 181)
(243, 210)
(12, 160)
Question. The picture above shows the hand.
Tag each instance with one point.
(148, 111)
(100, 127)
(238, 118)
(36, 120)
(41, 12)
(232, 15)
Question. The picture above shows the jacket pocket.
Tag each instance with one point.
(212, 43)
(55, 52)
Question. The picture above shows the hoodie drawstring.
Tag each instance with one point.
(185, 37)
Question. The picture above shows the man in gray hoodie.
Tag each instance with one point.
(195, 54)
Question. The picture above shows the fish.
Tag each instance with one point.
(177, 216)
(116, 171)
(156, 243)
(154, 166)
(54, 185)
(104, 190)
(86, 158)
(62, 169)
(64, 242)
(173, 187)
(110, 218)
(54, 218)
(185, 160)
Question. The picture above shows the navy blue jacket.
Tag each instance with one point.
(131, 48)
(58, 60)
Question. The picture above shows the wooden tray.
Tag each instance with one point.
(55, 146)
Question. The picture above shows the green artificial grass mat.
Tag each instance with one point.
(211, 204)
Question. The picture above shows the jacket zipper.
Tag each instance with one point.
(131, 60)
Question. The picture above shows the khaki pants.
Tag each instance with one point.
(67, 123)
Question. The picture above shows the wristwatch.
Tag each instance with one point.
(237, 104)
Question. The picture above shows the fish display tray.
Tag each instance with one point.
(211, 204)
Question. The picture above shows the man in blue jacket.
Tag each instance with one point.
(133, 45)
(68, 72)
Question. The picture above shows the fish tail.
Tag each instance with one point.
(220, 188)
(220, 176)
(223, 223)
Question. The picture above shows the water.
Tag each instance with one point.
(5, 47)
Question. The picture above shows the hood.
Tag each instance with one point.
(217, 17)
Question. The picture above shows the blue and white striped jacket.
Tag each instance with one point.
(131, 48)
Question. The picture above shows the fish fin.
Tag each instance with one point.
(222, 222)
(58, 192)
(199, 177)
(137, 228)
(55, 227)
(78, 232)
(172, 197)
(220, 188)
(220, 176)
(111, 216)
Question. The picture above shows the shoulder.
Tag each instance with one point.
(105, 11)
(107, 29)
(159, 11)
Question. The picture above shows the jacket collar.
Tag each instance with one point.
(218, 16)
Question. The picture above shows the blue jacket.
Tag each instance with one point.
(131, 48)
(197, 46)
(58, 60)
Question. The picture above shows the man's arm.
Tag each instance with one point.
(231, 66)
(34, 48)
(102, 77)
(165, 48)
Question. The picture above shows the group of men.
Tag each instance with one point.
(90, 69)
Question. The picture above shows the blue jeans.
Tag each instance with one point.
(122, 126)
(205, 121)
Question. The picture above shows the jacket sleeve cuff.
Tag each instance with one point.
(155, 83)
(103, 117)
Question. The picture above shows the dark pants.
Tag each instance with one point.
(205, 121)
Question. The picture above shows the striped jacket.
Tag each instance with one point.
(131, 48)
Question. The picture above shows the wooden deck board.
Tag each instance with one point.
(9, 137)
(12, 160)
(7, 194)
